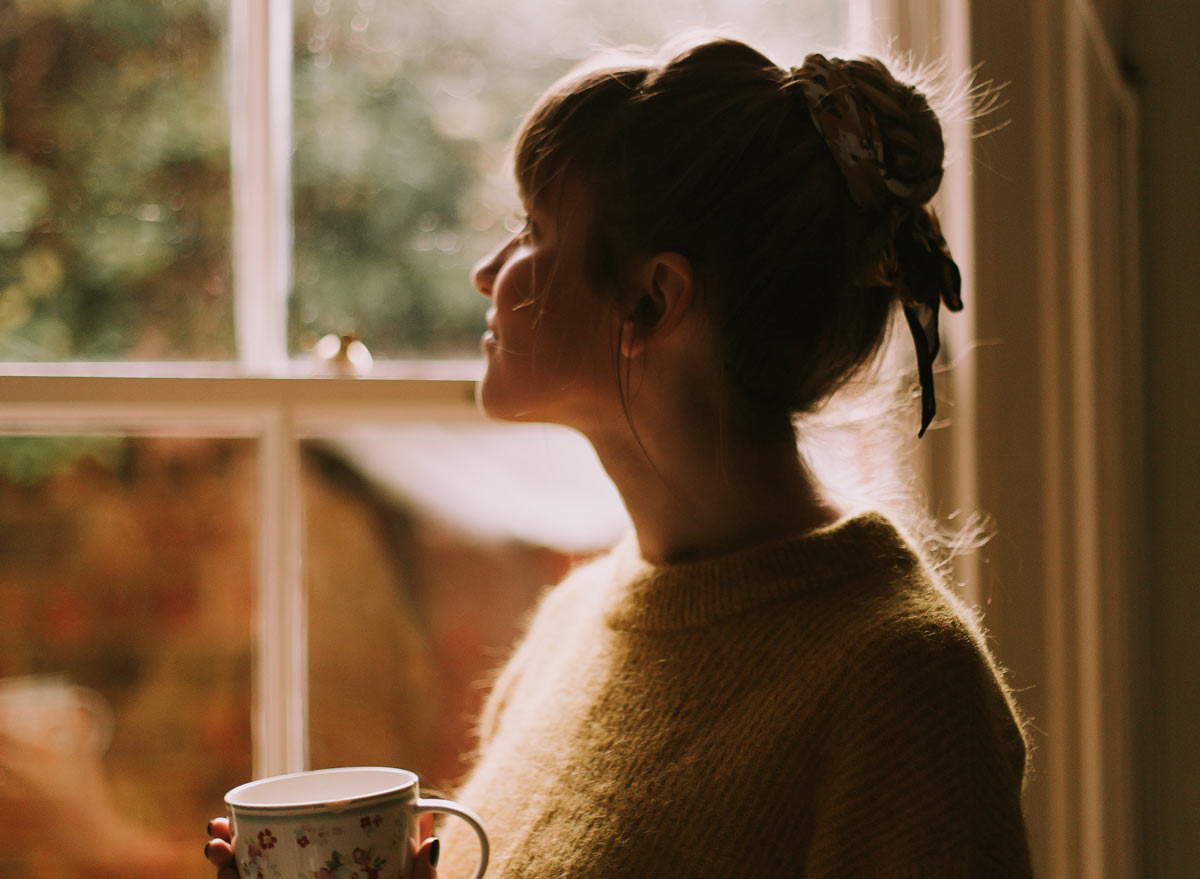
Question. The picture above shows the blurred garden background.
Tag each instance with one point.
(115, 174)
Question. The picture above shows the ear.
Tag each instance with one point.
(665, 294)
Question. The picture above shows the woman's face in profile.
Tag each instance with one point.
(550, 337)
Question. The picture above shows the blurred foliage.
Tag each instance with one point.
(402, 114)
(28, 460)
(114, 181)
(115, 209)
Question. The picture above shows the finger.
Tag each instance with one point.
(229, 872)
(425, 824)
(218, 828)
(425, 863)
(219, 852)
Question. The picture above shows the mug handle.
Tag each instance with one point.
(425, 804)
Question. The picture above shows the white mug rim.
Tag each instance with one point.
(404, 788)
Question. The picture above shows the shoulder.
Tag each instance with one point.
(920, 662)
(934, 659)
(902, 659)
(921, 717)
(894, 612)
(864, 591)
(925, 752)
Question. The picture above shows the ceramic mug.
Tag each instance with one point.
(334, 824)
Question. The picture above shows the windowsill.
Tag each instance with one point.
(416, 370)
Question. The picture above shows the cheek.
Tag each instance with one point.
(579, 343)
(514, 285)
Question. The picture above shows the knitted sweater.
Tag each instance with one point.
(812, 707)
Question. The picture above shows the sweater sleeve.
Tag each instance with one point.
(925, 766)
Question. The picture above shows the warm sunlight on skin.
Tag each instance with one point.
(549, 344)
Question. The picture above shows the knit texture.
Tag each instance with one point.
(813, 707)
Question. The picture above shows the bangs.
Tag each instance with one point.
(575, 123)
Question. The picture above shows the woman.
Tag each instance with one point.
(757, 682)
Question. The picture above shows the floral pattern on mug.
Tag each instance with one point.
(369, 823)
(307, 834)
(363, 864)
(368, 839)
(258, 866)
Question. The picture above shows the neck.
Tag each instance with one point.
(699, 487)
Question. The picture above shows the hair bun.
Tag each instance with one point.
(909, 129)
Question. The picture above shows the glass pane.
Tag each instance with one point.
(426, 547)
(402, 114)
(126, 575)
(114, 181)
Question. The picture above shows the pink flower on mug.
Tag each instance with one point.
(365, 821)
(266, 839)
(302, 841)
(254, 851)
(378, 820)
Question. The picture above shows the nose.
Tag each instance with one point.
(483, 275)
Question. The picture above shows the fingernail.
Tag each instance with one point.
(208, 827)
(206, 847)
(435, 851)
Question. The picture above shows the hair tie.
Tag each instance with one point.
(915, 260)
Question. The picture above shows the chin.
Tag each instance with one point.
(484, 401)
(491, 402)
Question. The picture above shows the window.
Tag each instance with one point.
(194, 193)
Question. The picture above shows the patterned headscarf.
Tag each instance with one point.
(913, 257)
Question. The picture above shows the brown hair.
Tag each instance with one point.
(713, 154)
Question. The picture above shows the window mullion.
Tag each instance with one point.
(260, 135)
(281, 672)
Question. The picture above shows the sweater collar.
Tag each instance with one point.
(675, 597)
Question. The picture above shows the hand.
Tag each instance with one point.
(219, 850)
